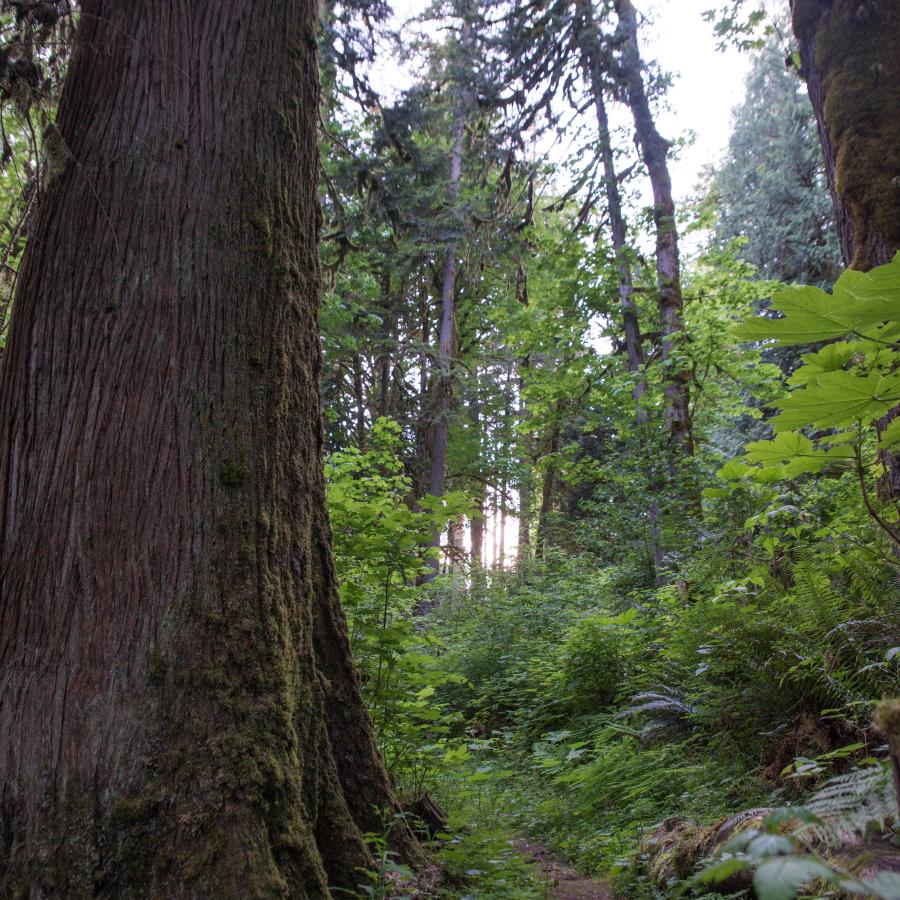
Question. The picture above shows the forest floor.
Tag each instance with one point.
(563, 882)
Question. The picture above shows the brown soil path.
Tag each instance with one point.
(563, 881)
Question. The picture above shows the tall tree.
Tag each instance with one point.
(442, 387)
(179, 711)
(654, 151)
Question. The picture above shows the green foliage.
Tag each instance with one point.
(676, 644)
(770, 193)
(380, 549)
(778, 852)
(831, 419)
(591, 666)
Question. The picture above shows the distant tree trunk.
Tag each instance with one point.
(618, 230)
(454, 545)
(524, 482)
(442, 387)
(501, 539)
(383, 373)
(476, 531)
(495, 516)
(633, 347)
(179, 711)
(476, 521)
(547, 488)
(359, 397)
(850, 60)
(654, 150)
(421, 470)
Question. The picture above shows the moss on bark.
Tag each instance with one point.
(851, 64)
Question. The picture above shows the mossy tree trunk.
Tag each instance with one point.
(850, 60)
(179, 712)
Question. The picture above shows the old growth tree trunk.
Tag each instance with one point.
(850, 60)
(179, 712)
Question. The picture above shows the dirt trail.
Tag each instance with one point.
(564, 882)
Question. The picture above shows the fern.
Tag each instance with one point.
(848, 806)
(666, 706)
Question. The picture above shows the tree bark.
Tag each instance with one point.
(850, 61)
(654, 151)
(359, 397)
(179, 711)
(524, 480)
(547, 487)
(383, 366)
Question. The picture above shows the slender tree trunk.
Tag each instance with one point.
(524, 482)
(359, 396)
(654, 150)
(618, 230)
(850, 61)
(495, 518)
(501, 540)
(423, 428)
(454, 545)
(440, 426)
(179, 711)
(633, 346)
(383, 373)
(547, 488)
(476, 521)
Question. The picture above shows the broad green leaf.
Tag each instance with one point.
(786, 445)
(721, 870)
(768, 475)
(781, 878)
(829, 359)
(859, 302)
(769, 845)
(812, 464)
(732, 470)
(838, 398)
(890, 437)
